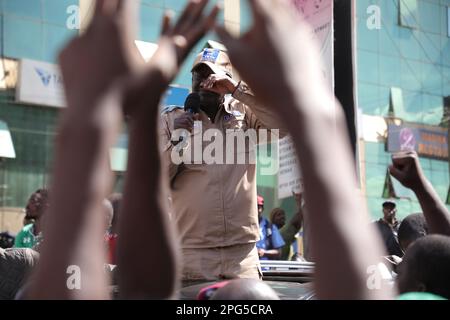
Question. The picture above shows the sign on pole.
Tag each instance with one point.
(319, 14)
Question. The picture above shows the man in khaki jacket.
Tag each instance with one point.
(214, 200)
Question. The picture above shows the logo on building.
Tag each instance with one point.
(44, 75)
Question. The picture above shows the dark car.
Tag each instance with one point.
(289, 279)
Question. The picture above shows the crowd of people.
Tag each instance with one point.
(204, 220)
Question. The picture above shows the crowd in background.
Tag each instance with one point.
(216, 230)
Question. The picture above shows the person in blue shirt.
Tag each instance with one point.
(270, 243)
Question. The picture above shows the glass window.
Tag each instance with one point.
(430, 17)
(397, 106)
(408, 15)
(390, 73)
(375, 179)
(369, 100)
(448, 21)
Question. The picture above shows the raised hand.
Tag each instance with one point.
(220, 84)
(185, 121)
(269, 54)
(280, 62)
(101, 70)
(176, 41)
(146, 188)
(93, 62)
(406, 169)
(298, 199)
(107, 47)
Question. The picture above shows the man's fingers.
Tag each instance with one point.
(121, 3)
(127, 11)
(188, 121)
(257, 11)
(166, 22)
(402, 161)
(185, 15)
(404, 154)
(234, 47)
(99, 7)
(227, 39)
(211, 18)
(396, 173)
(111, 7)
(184, 125)
(189, 118)
(194, 34)
(197, 11)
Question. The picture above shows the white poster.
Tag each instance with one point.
(40, 83)
(319, 14)
(289, 177)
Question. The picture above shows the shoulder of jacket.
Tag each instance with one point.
(170, 108)
(235, 107)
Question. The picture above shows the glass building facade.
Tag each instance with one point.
(37, 30)
(31, 29)
(409, 51)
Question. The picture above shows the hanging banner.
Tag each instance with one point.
(319, 14)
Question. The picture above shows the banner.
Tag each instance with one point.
(40, 83)
(319, 14)
(427, 141)
(289, 176)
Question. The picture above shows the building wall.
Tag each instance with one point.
(416, 60)
(33, 29)
(38, 29)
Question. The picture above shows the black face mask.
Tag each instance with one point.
(209, 103)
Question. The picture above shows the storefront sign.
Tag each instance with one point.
(427, 141)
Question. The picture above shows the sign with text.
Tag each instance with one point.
(289, 177)
(319, 14)
(427, 141)
(40, 83)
